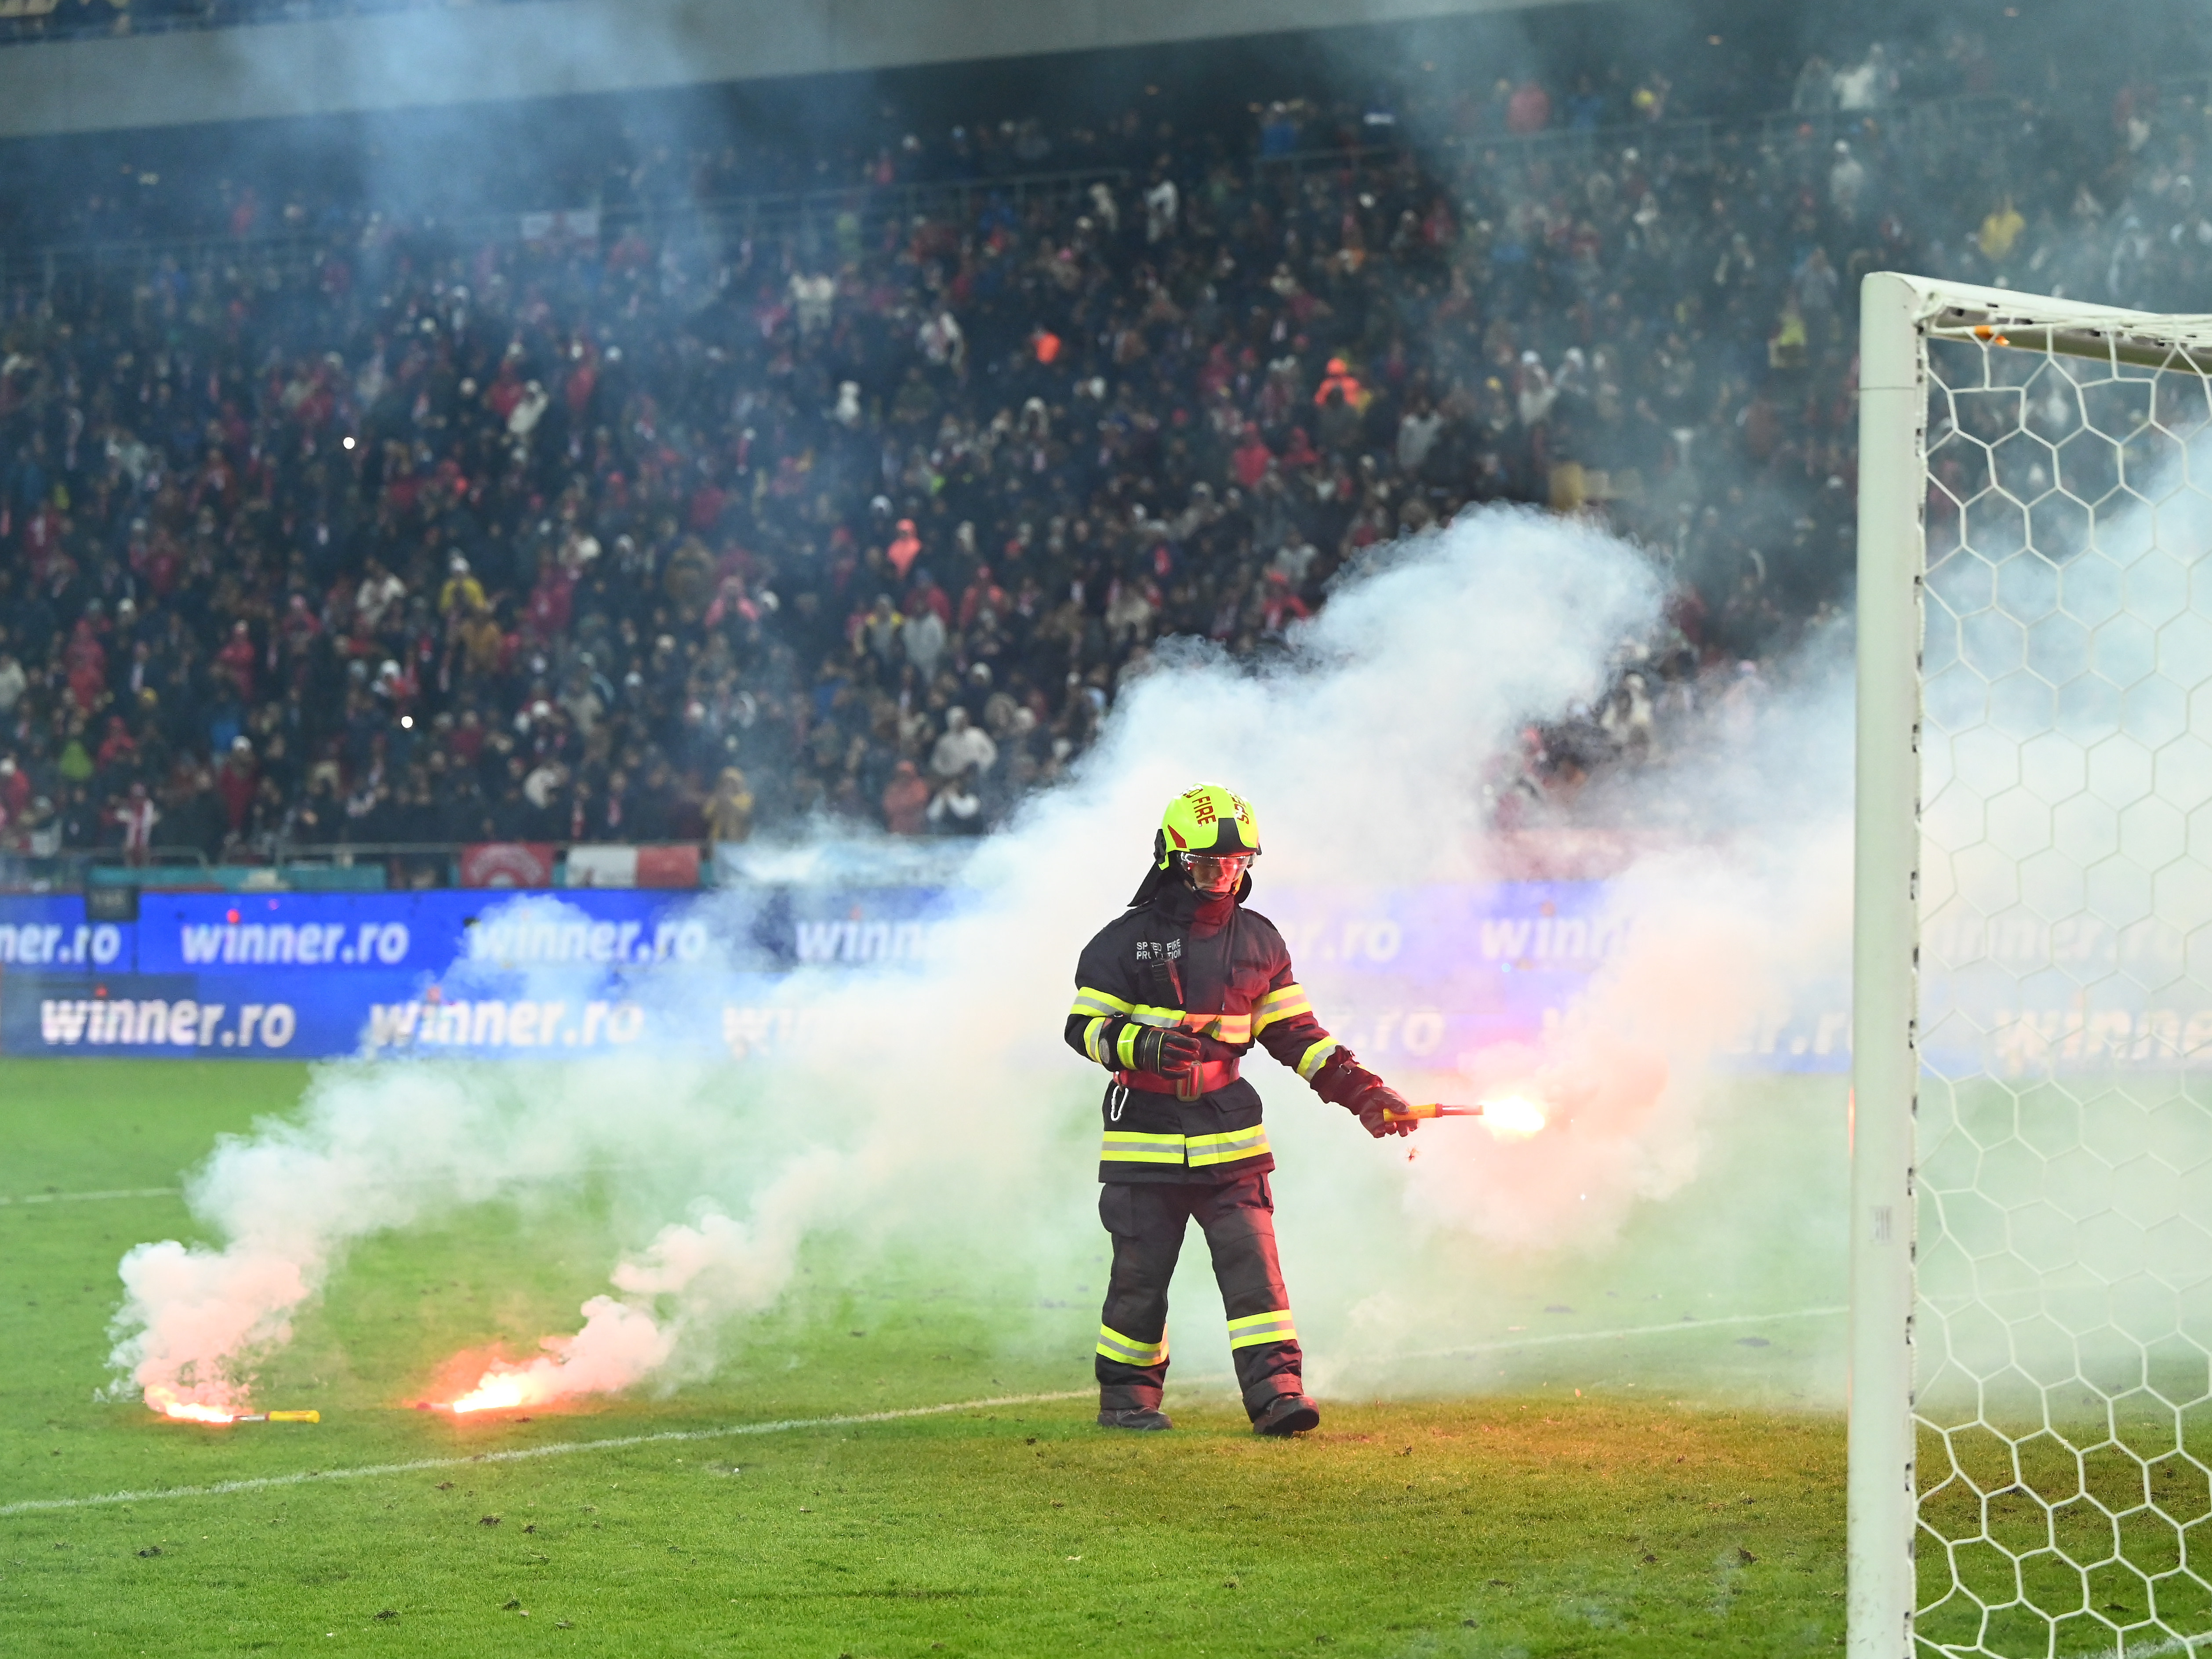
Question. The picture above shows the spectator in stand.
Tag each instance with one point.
(956, 809)
(905, 548)
(1815, 93)
(137, 816)
(236, 784)
(906, 800)
(462, 592)
(2001, 231)
(1527, 108)
(1867, 84)
(964, 749)
(923, 639)
(15, 790)
(729, 811)
(1847, 180)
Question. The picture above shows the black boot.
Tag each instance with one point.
(1287, 1414)
(1148, 1418)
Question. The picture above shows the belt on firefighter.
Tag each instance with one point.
(1202, 1079)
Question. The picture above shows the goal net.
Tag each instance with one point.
(2031, 1415)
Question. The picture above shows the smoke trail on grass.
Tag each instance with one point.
(948, 1111)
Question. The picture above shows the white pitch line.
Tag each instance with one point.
(86, 1198)
(558, 1448)
(1684, 1327)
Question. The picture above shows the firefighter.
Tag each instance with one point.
(1169, 998)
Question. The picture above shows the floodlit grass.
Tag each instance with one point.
(1533, 1524)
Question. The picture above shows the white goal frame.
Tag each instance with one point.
(1900, 315)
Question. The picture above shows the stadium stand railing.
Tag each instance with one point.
(29, 23)
(810, 216)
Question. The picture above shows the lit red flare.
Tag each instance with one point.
(503, 1386)
(619, 1345)
(1513, 1117)
(184, 1410)
(192, 1411)
(1509, 1117)
(493, 1393)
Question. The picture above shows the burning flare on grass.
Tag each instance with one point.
(1513, 1117)
(495, 1391)
(193, 1411)
(167, 1402)
(620, 1345)
(692, 1274)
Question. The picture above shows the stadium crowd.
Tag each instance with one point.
(641, 526)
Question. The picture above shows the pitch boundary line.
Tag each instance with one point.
(1552, 1339)
(522, 1454)
(85, 1198)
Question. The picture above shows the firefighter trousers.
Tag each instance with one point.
(1147, 1220)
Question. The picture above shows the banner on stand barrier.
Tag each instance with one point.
(1404, 975)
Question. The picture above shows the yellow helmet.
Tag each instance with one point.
(1209, 821)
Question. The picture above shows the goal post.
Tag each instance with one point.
(1885, 952)
(2030, 1414)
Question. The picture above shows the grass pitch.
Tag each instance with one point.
(1528, 1524)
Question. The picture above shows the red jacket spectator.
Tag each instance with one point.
(1279, 605)
(1340, 378)
(905, 548)
(732, 603)
(118, 747)
(1529, 108)
(137, 815)
(299, 627)
(15, 788)
(237, 655)
(982, 593)
(86, 664)
(582, 382)
(1250, 462)
(550, 602)
(706, 506)
(906, 801)
(926, 595)
(235, 783)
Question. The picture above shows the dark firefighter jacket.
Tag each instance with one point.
(1224, 973)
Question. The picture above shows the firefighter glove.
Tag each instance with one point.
(1164, 1051)
(1373, 1105)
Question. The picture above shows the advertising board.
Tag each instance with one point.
(1423, 974)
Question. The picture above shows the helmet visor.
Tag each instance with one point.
(1218, 875)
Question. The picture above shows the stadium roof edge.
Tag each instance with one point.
(438, 56)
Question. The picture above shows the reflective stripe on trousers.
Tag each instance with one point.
(1275, 1326)
(1129, 1351)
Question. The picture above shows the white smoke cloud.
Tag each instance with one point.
(1725, 940)
(949, 1111)
(701, 1272)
